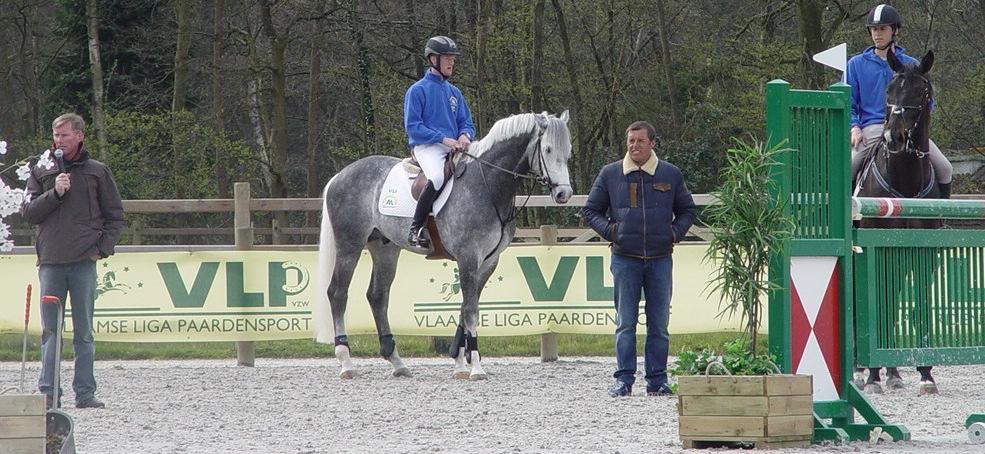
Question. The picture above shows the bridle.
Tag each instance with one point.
(900, 109)
(542, 175)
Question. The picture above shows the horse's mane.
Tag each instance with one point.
(514, 126)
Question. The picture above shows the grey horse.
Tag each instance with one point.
(475, 225)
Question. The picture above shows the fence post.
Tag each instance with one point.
(548, 341)
(245, 350)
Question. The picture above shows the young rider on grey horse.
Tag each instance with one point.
(868, 74)
(438, 122)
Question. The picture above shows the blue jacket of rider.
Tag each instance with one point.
(868, 75)
(643, 210)
(435, 109)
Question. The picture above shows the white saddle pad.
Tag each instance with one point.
(395, 197)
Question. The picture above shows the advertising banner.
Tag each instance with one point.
(267, 295)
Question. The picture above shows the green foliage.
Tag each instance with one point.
(735, 355)
(748, 223)
(165, 155)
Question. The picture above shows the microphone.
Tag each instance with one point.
(60, 160)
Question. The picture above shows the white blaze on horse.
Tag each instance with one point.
(474, 221)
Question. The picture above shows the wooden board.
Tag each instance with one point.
(745, 405)
(789, 425)
(695, 443)
(21, 405)
(716, 385)
(22, 445)
(713, 427)
(21, 426)
(788, 385)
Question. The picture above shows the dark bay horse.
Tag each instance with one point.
(475, 225)
(900, 168)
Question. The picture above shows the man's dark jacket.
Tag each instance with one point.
(642, 214)
(84, 222)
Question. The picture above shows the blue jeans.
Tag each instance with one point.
(77, 279)
(630, 275)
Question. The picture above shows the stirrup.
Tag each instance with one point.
(416, 239)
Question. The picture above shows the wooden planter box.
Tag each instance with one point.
(22, 423)
(771, 411)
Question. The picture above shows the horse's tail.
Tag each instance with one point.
(321, 311)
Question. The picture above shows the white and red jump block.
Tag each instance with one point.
(815, 344)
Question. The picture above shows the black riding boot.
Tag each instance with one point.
(424, 205)
(945, 190)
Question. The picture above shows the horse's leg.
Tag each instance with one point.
(859, 377)
(384, 269)
(893, 378)
(872, 384)
(338, 296)
(927, 383)
(473, 280)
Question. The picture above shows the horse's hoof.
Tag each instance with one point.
(460, 375)
(873, 388)
(478, 376)
(894, 383)
(928, 387)
(347, 374)
(859, 383)
(402, 372)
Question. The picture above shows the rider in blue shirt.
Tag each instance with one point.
(869, 74)
(438, 122)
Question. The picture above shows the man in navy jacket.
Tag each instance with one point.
(643, 207)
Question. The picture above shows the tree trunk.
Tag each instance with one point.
(278, 94)
(809, 14)
(183, 42)
(537, 101)
(483, 79)
(218, 35)
(314, 113)
(96, 68)
(366, 108)
(666, 63)
(583, 156)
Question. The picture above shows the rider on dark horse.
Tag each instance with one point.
(868, 74)
(438, 122)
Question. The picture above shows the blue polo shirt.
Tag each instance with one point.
(435, 109)
(869, 75)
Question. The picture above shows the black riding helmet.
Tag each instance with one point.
(883, 15)
(441, 45)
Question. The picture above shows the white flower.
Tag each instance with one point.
(3, 147)
(5, 244)
(10, 201)
(45, 160)
(23, 172)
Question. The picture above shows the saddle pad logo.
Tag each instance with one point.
(389, 200)
(453, 102)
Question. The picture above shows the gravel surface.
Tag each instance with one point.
(301, 406)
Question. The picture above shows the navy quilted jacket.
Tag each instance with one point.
(642, 214)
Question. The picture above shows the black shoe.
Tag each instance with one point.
(945, 189)
(416, 239)
(91, 402)
(621, 389)
(662, 390)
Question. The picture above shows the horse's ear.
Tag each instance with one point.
(541, 120)
(564, 116)
(894, 63)
(927, 62)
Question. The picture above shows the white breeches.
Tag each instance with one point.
(431, 157)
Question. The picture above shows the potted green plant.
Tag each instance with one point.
(752, 403)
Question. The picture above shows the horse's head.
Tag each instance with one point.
(908, 98)
(550, 159)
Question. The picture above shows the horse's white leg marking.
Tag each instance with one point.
(461, 370)
(342, 354)
(399, 368)
(477, 372)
